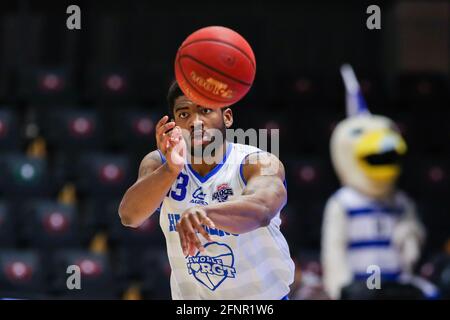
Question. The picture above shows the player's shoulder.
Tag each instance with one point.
(250, 154)
(154, 156)
(254, 160)
(152, 160)
(244, 149)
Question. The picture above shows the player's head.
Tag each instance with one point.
(191, 117)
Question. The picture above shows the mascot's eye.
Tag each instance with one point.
(356, 132)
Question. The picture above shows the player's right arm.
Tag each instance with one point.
(155, 178)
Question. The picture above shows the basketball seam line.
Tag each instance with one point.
(193, 86)
(215, 70)
(223, 42)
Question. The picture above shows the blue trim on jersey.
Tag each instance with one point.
(203, 179)
(163, 159)
(369, 243)
(370, 210)
(286, 297)
(386, 276)
(241, 172)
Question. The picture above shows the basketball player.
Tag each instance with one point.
(221, 220)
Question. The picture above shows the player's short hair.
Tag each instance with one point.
(172, 95)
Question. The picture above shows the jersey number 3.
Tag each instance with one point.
(180, 189)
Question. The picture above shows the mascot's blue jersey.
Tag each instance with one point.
(370, 226)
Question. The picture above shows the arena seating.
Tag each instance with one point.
(75, 124)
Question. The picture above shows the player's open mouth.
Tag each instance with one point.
(391, 157)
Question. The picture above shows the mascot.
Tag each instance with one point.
(369, 225)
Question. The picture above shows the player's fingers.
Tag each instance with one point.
(167, 137)
(190, 233)
(198, 226)
(204, 219)
(174, 140)
(174, 143)
(161, 143)
(207, 221)
(176, 132)
(192, 249)
(197, 243)
(165, 127)
(161, 140)
(177, 149)
(183, 240)
(161, 122)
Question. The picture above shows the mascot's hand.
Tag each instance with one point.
(410, 254)
(408, 239)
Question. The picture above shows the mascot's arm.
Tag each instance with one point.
(336, 271)
(409, 236)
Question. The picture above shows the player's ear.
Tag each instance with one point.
(227, 117)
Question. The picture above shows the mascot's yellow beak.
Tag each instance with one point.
(378, 154)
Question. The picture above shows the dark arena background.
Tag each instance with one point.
(78, 110)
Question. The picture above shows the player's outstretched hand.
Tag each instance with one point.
(171, 143)
(190, 224)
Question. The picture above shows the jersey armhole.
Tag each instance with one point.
(241, 167)
(163, 159)
(241, 171)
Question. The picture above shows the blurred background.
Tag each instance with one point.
(78, 110)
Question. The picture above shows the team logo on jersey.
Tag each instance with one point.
(222, 193)
(215, 267)
(198, 197)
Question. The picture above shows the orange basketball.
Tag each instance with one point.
(215, 67)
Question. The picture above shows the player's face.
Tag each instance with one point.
(199, 122)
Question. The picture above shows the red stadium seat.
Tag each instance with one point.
(47, 85)
(148, 234)
(109, 84)
(96, 275)
(72, 130)
(21, 275)
(103, 174)
(427, 177)
(50, 225)
(132, 129)
(310, 178)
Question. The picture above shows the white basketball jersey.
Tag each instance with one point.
(254, 265)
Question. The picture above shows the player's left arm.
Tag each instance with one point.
(262, 198)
